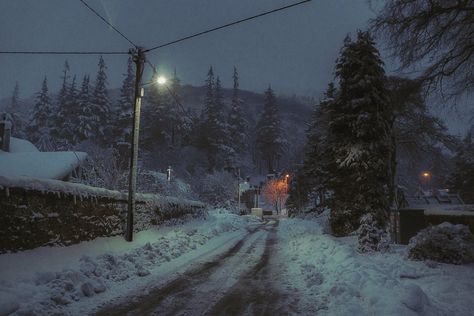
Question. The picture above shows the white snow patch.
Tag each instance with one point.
(75, 280)
(330, 278)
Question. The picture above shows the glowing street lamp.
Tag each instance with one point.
(426, 179)
(161, 80)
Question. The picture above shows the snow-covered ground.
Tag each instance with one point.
(76, 279)
(226, 261)
(329, 277)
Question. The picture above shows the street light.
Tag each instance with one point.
(161, 80)
(139, 60)
(426, 179)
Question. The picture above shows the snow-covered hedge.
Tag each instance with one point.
(446, 243)
(39, 212)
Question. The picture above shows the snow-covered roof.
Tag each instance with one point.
(24, 159)
(18, 145)
(82, 190)
(454, 210)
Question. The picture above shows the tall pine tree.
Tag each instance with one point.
(101, 105)
(462, 178)
(85, 126)
(236, 121)
(72, 104)
(61, 116)
(219, 137)
(269, 141)
(123, 123)
(14, 110)
(41, 121)
(311, 179)
(176, 125)
(359, 139)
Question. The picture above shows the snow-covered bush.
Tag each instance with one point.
(445, 242)
(217, 188)
(157, 183)
(343, 220)
(102, 169)
(371, 236)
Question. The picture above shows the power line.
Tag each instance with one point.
(225, 25)
(61, 53)
(108, 23)
(153, 48)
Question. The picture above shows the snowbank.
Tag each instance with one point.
(75, 279)
(334, 279)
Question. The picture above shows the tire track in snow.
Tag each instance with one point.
(195, 290)
(255, 293)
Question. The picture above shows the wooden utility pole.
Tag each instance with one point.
(139, 60)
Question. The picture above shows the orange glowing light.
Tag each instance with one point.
(426, 174)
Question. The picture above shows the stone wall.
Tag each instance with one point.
(30, 219)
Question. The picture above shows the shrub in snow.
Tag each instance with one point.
(446, 243)
(343, 220)
(371, 236)
(217, 188)
(102, 169)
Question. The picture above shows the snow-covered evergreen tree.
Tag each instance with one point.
(201, 129)
(70, 126)
(176, 124)
(359, 138)
(236, 121)
(85, 125)
(41, 121)
(100, 119)
(154, 115)
(219, 137)
(123, 123)
(61, 115)
(14, 111)
(462, 178)
(269, 140)
(311, 178)
(15, 97)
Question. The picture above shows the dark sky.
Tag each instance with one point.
(293, 50)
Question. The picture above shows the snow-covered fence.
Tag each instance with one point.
(39, 212)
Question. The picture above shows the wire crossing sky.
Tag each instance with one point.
(293, 50)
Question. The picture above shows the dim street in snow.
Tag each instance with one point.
(240, 281)
(227, 264)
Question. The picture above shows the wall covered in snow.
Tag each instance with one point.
(33, 218)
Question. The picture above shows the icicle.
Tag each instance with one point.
(74, 199)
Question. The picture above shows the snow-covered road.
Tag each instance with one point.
(236, 282)
(231, 265)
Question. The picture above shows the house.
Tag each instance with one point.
(429, 207)
(19, 157)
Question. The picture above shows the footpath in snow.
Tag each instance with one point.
(75, 280)
(328, 277)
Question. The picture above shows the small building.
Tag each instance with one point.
(19, 157)
(426, 208)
